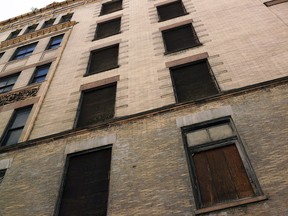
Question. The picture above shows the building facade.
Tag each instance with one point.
(151, 107)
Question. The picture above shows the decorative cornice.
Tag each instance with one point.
(29, 36)
(48, 8)
(19, 95)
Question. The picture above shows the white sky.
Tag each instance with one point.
(12, 8)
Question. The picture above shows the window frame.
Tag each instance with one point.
(12, 35)
(191, 63)
(232, 140)
(105, 22)
(35, 71)
(11, 122)
(7, 77)
(198, 43)
(2, 174)
(64, 17)
(110, 2)
(170, 3)
(25, 54)
(33, 27)
(51, 41)
(65, 171)
(77, 118)
(48, 23)
(87, 73)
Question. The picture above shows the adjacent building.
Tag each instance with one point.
(151, 107)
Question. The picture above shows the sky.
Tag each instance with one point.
(12, 8)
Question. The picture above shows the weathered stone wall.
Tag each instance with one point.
(149, 173)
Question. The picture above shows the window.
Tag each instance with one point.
(24, 51)
(97, 105)
(2, 174)
(48, 23)
(180, 38)
(193, 81)
(86, 183)
(55, 42)
(7, 83)
(13, 34)
(219, 166)
(1, 54)
(171, 10)
(103, 59)
(108, 28)
(66, 18)
(40, 73)
(31, 28)
(15, 126)
(111, 7)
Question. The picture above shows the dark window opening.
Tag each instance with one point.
(15, 126)
(97, 105)
(2, 174)
(13, 34)
(31, 28)
(86, 183)
(103, 59)
(7, 83)
(40, 73)
(171, 10)
(193, 81)
(220, 169)
(1, 54)
(48, 23)
(24, 51)
(108, 28)
(66, 18)
(55, 42)
(111, 7)
(180, 38)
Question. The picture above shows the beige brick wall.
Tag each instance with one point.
(149, 173)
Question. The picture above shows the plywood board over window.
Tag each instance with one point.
(221, 173)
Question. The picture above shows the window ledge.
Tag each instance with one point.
(231, 204)
(274, 2)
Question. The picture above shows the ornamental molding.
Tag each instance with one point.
(19, 95)
(32, 35)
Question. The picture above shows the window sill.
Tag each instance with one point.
(231, 204)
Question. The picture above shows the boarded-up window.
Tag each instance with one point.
(103, 59)
(97, 105)
(180, 38)
(86, 184)
(221, 176)
(111, 7)
(106, 29)
(16, 126)
(171, 10)
(193, 81)
(2, 174)
(220, 168)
